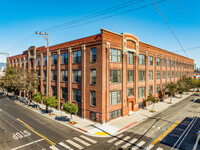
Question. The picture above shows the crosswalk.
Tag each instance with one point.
(81, 142)
(126, 142)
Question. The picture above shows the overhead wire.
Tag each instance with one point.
(170, 28)
(181, 8)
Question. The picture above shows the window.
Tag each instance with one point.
(115, 55)
(130, 57)
(168, 63)
(130, 75)
(168, 74)
(54, 59)
(44, 75)
(76, 95)
(18, 63)
(130, 92)
(141, 105)
(44, 89)
(172, 63)
(64, 75)
(77, 57)
(163, 75)
(77, 76)
(93, 116)
(157, 61)
(172, 74)
(175, 64)
(54, 91)
(141, 92)
(54, 75)
(115, 97)
(22, 63)
(15, 64)
(158, 88)
(163, 62)
(93, 54)
(27, 63)
(64, 93)
(163, 87)
(150, 60)
(93, 76)
(141, 75)
(45, 60)
(151, 89)
(38, 71)
(64, 59)
(157, 74)
(176, 74)
(141, 59)
(38, 61)
(32, 62)
(115, 114)
(150, 75)
(115, 76)
(93, 98)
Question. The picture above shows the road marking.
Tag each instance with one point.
(138, 145)
(159, 148)
(122, 140)
(150, 147)
(53, 147)
(74, 144)
(115, 138)
(165, 133)
(128, 144)
(81, 141)
(89, 139)
(27, 144)
(29, 127)
(65, 146)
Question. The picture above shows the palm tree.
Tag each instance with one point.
(171, 89)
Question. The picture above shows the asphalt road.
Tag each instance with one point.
(21, 128)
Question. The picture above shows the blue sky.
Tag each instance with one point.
(20, 19)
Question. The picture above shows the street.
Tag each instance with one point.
(21, 128)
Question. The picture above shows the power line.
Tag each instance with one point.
(105, 11)
(147, 5)
(187, 49)
(170, 28)
(181, 8)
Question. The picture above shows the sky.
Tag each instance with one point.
(66, 20)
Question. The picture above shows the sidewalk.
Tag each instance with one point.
(113, 127)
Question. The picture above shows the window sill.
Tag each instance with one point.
(93, 62)
(75, 101)
(92, 106)
(64, 81)
(92, 84)
(76, 82)
(64, 99)
(115, 83)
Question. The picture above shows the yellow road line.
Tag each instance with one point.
(29, 127)
(165, 133)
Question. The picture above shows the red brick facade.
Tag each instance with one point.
(104, 42)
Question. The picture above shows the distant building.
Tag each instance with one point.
(106, 75)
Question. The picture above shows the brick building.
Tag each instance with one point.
(107, 75)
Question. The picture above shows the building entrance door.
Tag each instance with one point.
(130, 106)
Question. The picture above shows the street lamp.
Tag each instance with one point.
(47, 39)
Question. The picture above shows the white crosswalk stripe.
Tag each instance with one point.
(53, 147)
(159, 148)
(128, 144)
(74, 144)
(88, 139)
(150, 147)
(138, 145)
(65, 146)
(115, 138)
(122, 140)
(81, 141)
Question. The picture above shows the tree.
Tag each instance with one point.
(195, 83)
(50, 101)
(70, 108)
(152, 99)
(31, 82)
(180, 87)
(37, 97)
(171, 89)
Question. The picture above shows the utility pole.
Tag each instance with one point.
(47, 39)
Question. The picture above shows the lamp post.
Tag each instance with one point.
(47, 39)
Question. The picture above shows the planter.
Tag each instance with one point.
(72, 122)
